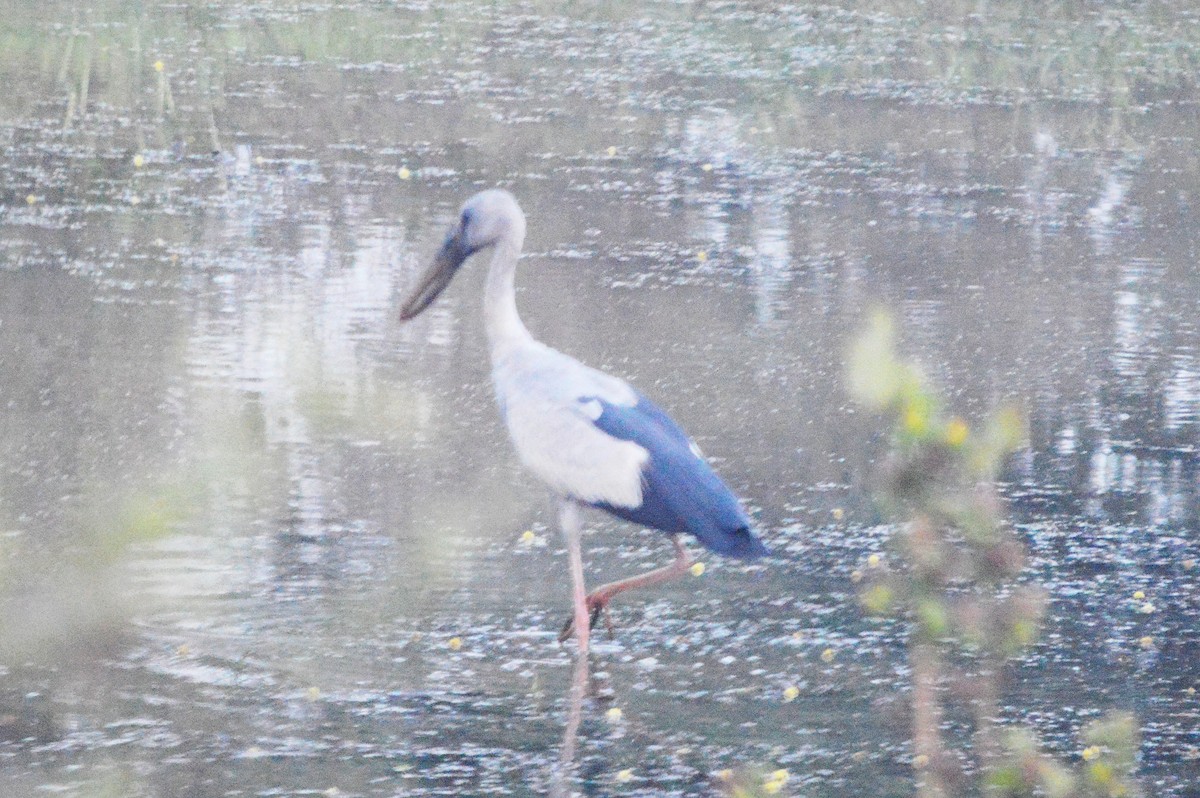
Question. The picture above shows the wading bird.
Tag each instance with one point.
(591, 437)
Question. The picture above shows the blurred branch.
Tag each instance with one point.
(958, 585)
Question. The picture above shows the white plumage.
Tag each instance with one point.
(550, 402)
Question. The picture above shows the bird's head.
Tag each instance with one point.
(486, 219)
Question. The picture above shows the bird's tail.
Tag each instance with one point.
(740, 543)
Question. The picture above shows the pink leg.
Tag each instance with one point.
(568, 520)
(597, 602)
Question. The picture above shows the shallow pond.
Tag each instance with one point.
(261, 539)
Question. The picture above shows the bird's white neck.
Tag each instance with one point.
(504, 327)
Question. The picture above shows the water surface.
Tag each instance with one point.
(245, 511)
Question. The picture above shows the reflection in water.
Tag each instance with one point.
(1181, 394)
(563, 776)
(222, 329)
(1104, 214)
(772, 255)
(1045, 205)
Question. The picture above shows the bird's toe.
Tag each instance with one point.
(567, 630)
(597, 608)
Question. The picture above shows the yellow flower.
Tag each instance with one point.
(791, 692)
(838, 513)
(611, 151)
(697, 568)
(1090, 753)
(159, 66)
(624, 775)
(455, 643)
(707, 167)
(1100, 773)
(915, 420)
(1138, 595)
(772, 787)
(920, 761)
(313, 693)
(877, 599)
(874, 561)
(614, 715)
(701, 255)
(956, 432)
(527, 536)
(1024, 632)
(827, 655)
(404, 173)
(138, 161)
(780, 775)
(31, 199)
(1146, 642)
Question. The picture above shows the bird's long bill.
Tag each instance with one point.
(439, 274)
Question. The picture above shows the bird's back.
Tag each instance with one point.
(680, 490)
(592, 437)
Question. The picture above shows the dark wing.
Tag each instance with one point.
(680, 491)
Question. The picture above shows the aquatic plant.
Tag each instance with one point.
(959, 584)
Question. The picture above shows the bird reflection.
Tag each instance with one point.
(563, 774)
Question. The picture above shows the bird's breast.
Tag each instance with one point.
(564, 449)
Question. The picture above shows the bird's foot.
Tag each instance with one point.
(597, 607)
